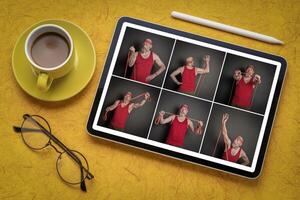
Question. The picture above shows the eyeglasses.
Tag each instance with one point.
(72, 167)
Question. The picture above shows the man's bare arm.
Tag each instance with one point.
(166, 120)
(227, 141)
(140, 104)
(245, 158)
(196, 130)
(132, 56)
(191, 125)
(205, 69)
(161, 66)
(113, 106)
(175, 73)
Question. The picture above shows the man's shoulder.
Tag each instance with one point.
(180, 68)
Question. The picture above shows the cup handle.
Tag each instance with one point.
(44, 82)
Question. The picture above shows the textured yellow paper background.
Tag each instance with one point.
(122, 172)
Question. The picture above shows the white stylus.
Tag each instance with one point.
(224, 27)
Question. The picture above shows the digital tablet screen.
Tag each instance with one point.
(188, 97)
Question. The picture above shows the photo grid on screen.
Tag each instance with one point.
(206, 100)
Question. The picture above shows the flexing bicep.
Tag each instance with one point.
(200, 70)
(203, 70)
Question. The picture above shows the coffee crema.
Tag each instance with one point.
(50, 50)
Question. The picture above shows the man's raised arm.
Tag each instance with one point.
(132, 56)
(205, 69)
(227, 141)
(140, 104)
(166, 120)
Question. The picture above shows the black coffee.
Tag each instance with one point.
(50, 50)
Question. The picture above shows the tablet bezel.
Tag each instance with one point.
(168, 152)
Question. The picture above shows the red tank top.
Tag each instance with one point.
(188, 80)
(177, 132)
(142, 67)
(243, 93)
(120, 116)
(231, 157)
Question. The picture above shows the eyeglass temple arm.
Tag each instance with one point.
(82, 184)
(18, 129)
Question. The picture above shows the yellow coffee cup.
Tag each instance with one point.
(50, 50)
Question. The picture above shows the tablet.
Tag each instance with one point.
(187, 97)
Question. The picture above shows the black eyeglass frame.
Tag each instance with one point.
(65, 149)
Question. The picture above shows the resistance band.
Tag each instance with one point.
(157, 120)
(127, 63)
(132, 99)
(231, 91)
(215, 148)
(200, 81)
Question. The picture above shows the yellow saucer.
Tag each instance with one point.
(67, 86)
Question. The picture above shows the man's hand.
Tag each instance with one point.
(225, 118)
(237, 73)
(199, 128)
(150, 77)
(132, 49)
(147, 96)
(206, 58)
(200, 123)
(257, 78)
(162, 113)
